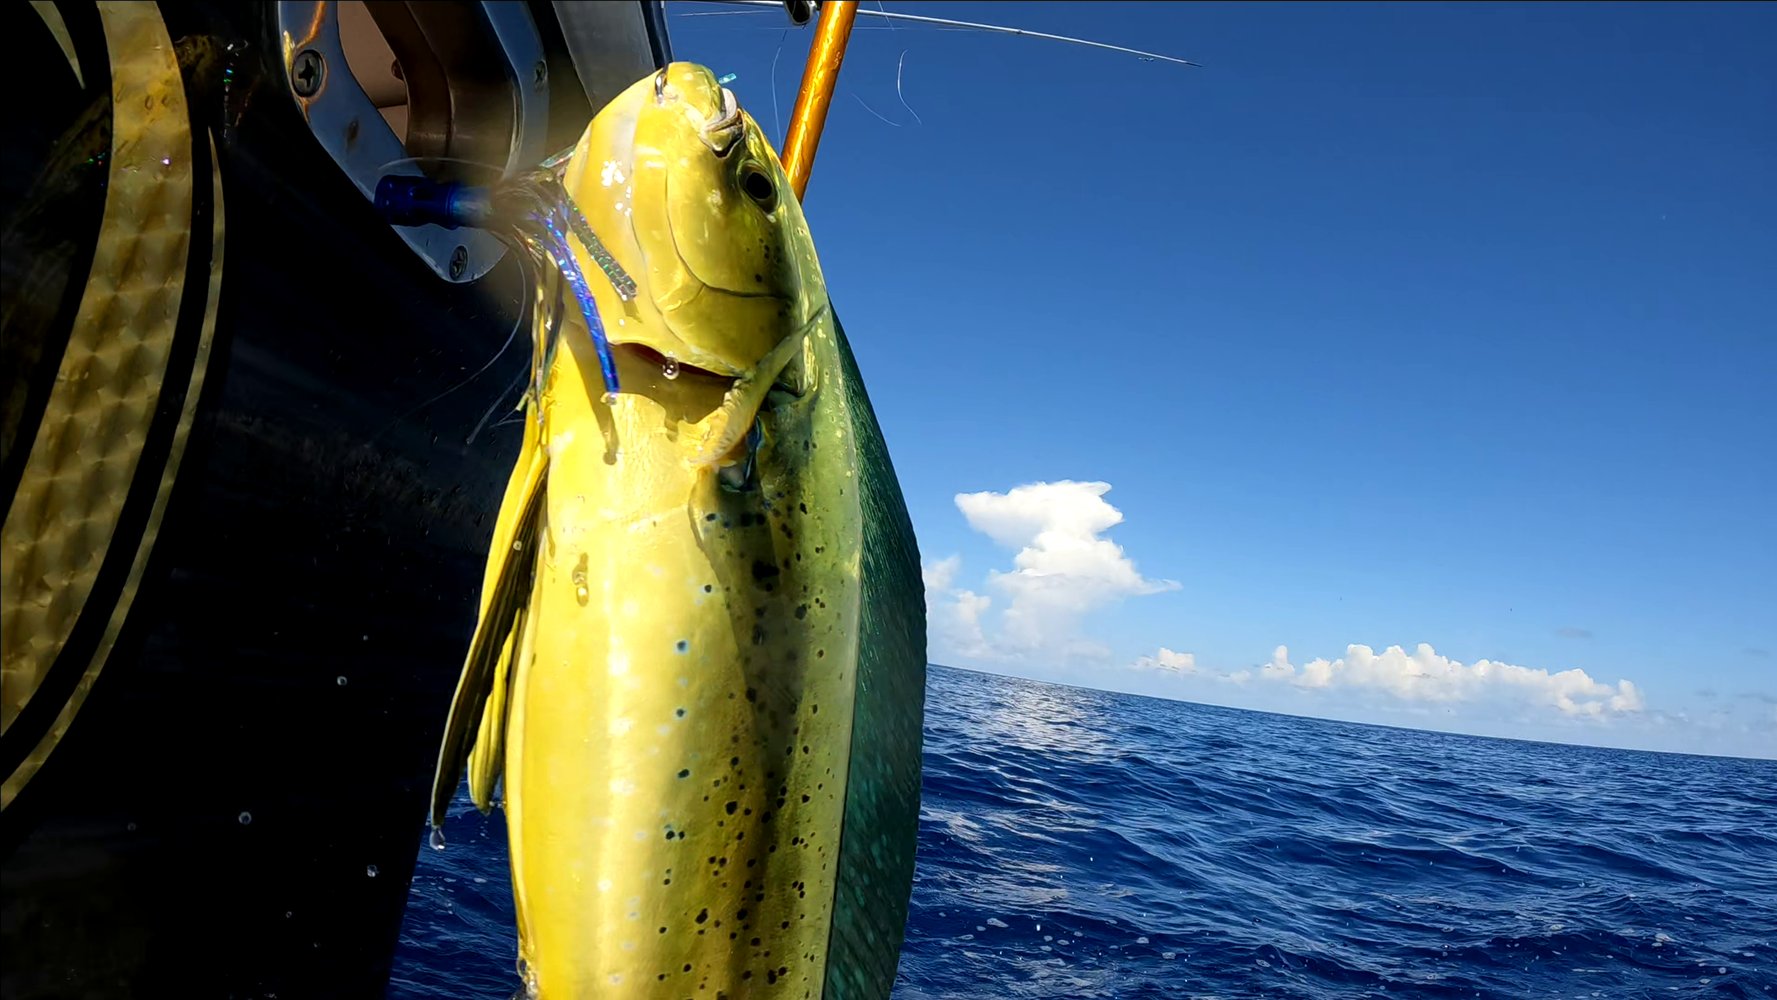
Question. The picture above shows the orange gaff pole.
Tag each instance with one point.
(819, 78)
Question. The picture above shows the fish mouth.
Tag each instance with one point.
(725, 437)
(725, 132)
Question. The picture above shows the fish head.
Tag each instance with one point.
(690, 198)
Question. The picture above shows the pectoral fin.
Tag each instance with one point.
(476, 728)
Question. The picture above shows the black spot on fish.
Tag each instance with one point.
(820, 653)
(731, 806)
(710, 516)
(708, 589)
(801, 611)
(804, 748)
(683, 645)
(763, 571)
(805, 798)
(684, 772)
(802, 507)
(679, 712)
(816, 710)
(702, 915)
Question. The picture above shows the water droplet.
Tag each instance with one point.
(340, 680)
(670, 368)
(609, 398)
(245, 817)
(370, 870)
(437, 839)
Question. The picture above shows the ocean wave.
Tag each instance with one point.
(1080, 844)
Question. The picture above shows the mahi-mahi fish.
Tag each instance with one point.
(698, 671)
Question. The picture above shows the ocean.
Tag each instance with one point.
(1077, 844)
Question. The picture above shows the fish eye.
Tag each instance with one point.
(757, 185)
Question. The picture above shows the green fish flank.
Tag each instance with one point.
(698, 669)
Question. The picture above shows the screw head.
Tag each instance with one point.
(459, 262)
(307, 72)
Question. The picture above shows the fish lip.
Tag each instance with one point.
(723, 134)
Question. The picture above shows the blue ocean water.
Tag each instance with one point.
(1078, 843)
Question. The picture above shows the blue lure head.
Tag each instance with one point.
(531, 213)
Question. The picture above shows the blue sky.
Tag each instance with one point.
(1392, 325)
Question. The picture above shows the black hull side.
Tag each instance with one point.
(235, 809)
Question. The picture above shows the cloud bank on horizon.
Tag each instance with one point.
(1064, 568)
(1425, 676)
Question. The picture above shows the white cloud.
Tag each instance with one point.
(953, 615)
(1279, 668)
(1063, 570)
(1424, 676)
(1168, 660)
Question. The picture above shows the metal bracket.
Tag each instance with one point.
(486, 56)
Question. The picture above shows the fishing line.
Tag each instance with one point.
(481, 424)
(511, 335)
(885, 121)
(954, 24)
(901, 65)
(777, 125)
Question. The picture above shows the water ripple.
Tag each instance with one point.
(1080, 844)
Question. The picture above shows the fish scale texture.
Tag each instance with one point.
(882, 802)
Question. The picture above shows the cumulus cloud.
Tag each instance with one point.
(1279, 668)
(1425, 676)
(1063, 569)
(1168, 660)
(953, 614)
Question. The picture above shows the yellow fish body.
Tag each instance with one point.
(665, 672)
